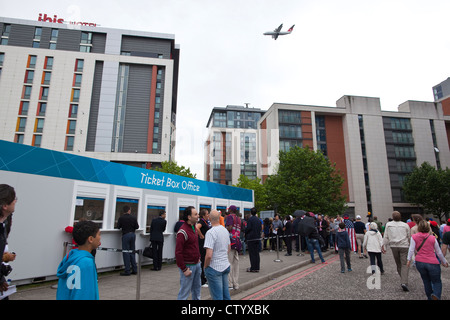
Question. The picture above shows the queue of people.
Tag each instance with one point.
(208, 247)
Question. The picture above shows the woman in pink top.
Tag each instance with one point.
(426, 248)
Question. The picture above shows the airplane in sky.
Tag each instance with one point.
(277, 32)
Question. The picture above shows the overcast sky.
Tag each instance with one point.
(394, 50)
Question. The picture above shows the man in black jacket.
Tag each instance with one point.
(157, 229)
(253, 237)
(307, 228)
(128, 224)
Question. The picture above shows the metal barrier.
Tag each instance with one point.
(139, 263)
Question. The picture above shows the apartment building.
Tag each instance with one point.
(105, 93)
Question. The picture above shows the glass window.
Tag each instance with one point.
(73, 111)
(77, 80)
(37, 33)
(75, 95)
(79, 64)
(48, 63)
(24, 105)
(36, 44)
(152, 213)
(21, 123)
(37, 140)
(39, 125)
(121, 203)
(71, 127)
(52, 46)
(46, 77)
(86, 37)
(54, 36)
(85, 48)
(42, 107)
(69, 143)
(44, 93)
(29, 75)
(2, 58)
(26, 92)
(90, 209)
(19, 138)
(32, 62)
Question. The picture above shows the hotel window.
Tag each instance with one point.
(37, 33)
(48, 65)
(44, 93)
(29, 75)
(24, 105)
(42, 106)
(46, 76)
(77, 80)
(54, 36)
(5, 34)
(73, 111)
(71, 125)
(31, 62)
(21, 123)
(75, 95)
(37, 140)
(79, 64)
(86, 42)
(2, 58)
(19, 138)
(69, 143)
(26, 92)
(39, 126)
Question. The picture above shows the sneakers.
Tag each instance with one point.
(405, 287)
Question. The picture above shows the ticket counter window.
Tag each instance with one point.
(152, 213)
(89, 209)
(122, 202)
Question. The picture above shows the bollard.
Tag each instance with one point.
(278, 252)
(138, 285)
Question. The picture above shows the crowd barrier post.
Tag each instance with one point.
(278, 250)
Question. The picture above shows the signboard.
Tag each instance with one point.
(48, 18)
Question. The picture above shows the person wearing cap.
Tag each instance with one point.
(360, 231)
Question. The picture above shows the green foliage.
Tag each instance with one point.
(430, 188)
(260, 193)
(305, 180)
(173, 168)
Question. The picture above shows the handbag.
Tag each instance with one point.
(148, 252)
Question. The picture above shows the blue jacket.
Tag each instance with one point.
(77, 277)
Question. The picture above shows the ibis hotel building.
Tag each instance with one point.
(373, 149)
(75, 87)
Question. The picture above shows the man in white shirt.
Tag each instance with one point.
(217, 266)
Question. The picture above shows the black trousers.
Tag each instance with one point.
(157, 247)
(253, 253)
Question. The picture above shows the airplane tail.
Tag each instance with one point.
(291, 28)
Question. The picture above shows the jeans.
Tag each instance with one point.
(314, 244)
(431, 277)
(129, 259)
(193, 283)
(218, 283)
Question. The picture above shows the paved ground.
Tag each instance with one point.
(293, 278)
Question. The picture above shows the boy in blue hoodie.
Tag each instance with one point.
(77, 272)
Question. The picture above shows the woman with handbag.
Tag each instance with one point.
(427, 252)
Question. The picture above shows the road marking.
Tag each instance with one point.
(266, 291)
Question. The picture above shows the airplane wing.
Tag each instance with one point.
(279, 28)
(275, 36)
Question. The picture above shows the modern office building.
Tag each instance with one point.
(373, 149)
(231, 148)
(104, 93)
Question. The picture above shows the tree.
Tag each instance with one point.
(173, 168)
(260, 193)
(306, 180)
(429, 188)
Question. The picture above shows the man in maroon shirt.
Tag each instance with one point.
(187, 256)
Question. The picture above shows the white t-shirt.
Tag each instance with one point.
(218, 239)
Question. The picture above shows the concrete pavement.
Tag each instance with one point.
(164, 284)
